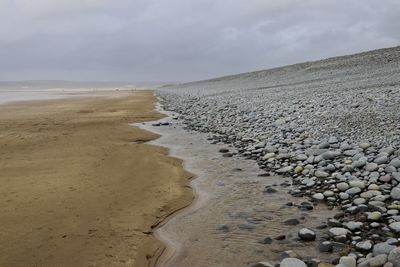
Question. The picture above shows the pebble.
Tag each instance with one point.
(321, 174)
(373, 187)
(395, 193)
(378, 260)
(267, 240)
(371, 167)
(306, 234)
(270, 190)
(293, 262)
(353, 226)
(364, 145)
(396, 176)
(374, 216)
(359, 201)
(342, 186)
(223, 228)
(268, 156)
(348, 261)
(381, 160)
(394, 257)
(318, 196)
(382, 248)
(385, 178)
(353, 191)
(357, 183)
(328, 193)
(395, 163)
(359, 163)
(364, 246)
(291, 222)
(337, 231)
(280, 237)
(334, 222)
(286, 169)
(395, 226)
(325, 246)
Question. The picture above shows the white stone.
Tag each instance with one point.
(348, 261)
(292, 262)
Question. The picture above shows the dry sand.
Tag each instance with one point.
(78, 187)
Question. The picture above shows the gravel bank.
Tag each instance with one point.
(331, 125)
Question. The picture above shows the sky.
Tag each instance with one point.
(183, 40)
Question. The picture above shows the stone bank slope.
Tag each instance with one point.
(332, 125)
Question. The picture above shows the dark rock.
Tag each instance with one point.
(270, 190)
(280, 237)
(267, 240)
(325, 246)
(306, 234)
(291, 222)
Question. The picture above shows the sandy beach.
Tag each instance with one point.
(79, 186)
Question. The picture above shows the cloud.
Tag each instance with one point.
(182, 40)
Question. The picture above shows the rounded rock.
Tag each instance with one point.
(373, 187)
(374, 216)
(353, 191)
(395, 226)
(293, 221)
(357, 183)
(328, 193)
(353, 226)
(268, 156)
(394, 257)
(382, 248)
(359, 163)
(325, 246)
(318, 196)
(395, 193)
(298, 169)
(364, 246)
(342, 186)
(321, 174)
(378, 260)
(306, 234)
(293, 262)
(395, 163)
(381, 160)
(348, 261)
(336, 231)
(371, 167)
(364, 145)
(359, 201)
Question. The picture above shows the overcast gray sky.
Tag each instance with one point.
(181, 40)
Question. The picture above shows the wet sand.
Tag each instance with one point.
(78, 185)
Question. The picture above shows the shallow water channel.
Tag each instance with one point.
(231, 213)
